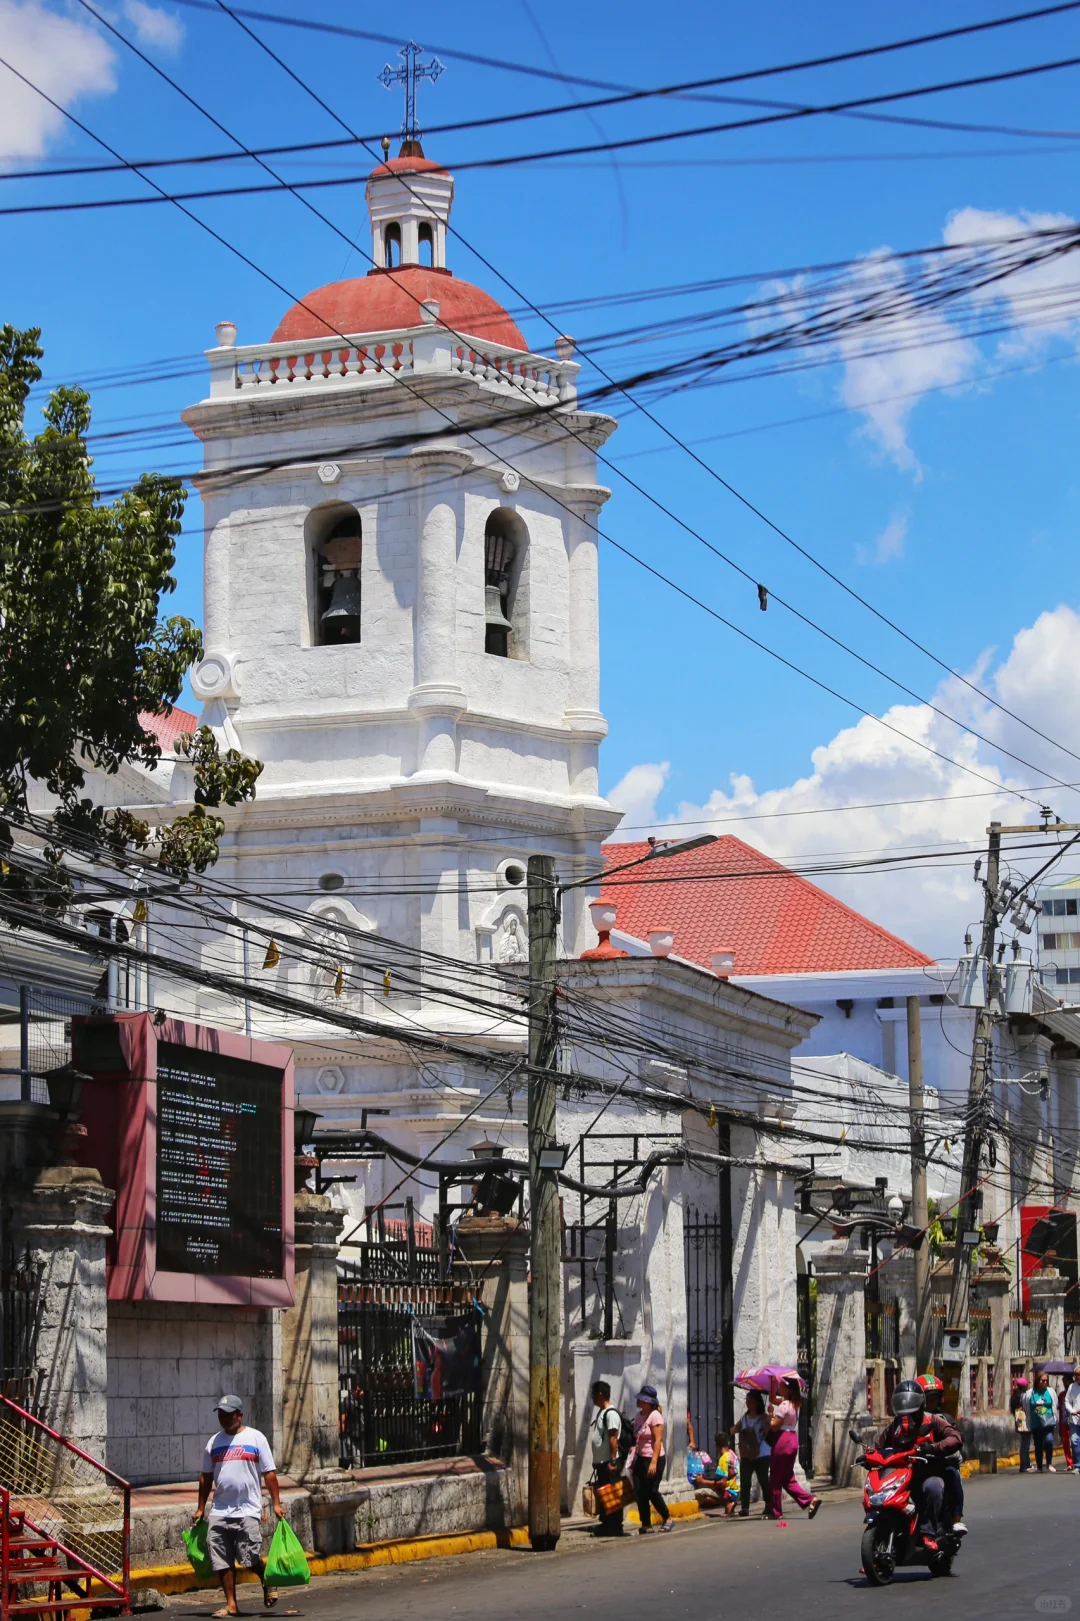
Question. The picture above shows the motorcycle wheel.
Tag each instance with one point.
(878, 1559)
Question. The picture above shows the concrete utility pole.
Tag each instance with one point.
(545, 1325)
(975, 1134)
(920, 1214)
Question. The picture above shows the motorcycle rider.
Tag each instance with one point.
(934, 1436)
(934, 1391)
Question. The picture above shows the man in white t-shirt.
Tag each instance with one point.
(236, 1463)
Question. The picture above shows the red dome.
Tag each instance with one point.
(387, 300)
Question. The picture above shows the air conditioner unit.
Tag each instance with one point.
(954, 1345)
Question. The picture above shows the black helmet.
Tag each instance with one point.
(908, 1398)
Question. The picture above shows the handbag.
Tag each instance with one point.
(616, 1496)
(588, 1500)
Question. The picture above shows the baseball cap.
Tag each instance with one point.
(229, 1404)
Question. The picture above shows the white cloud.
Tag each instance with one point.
(65, 57)
(919, 350)
(154, 29)
(636, 796)
(1042, 303)
(889, 544)
(865, 769)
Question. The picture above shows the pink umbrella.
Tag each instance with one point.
(767, 1377)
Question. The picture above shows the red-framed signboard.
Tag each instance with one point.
(193, 1127)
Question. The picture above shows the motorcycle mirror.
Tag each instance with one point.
(853, 1435)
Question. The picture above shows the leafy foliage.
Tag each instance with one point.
(83, 649)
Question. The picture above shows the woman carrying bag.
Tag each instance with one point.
(784, 1441)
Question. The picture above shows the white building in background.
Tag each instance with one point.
(1059, 938)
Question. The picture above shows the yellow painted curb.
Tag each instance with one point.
(182, 1579)
(678, 1511)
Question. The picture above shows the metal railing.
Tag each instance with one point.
(62, 1494)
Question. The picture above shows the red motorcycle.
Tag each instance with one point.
(891, 1536)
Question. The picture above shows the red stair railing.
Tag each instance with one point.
(65, 1523)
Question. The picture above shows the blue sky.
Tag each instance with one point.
(954, 510)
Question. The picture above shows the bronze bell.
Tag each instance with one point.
(494, 616)
(341, 620)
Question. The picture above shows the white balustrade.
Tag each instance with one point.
(369, 359)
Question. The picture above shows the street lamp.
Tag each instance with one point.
(304, 1127)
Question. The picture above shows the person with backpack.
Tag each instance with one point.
(611, 1439)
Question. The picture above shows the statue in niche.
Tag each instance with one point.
(512, 944)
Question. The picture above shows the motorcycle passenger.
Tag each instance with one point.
(934, 1391)
(934, 1436)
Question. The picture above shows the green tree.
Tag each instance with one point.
(84, 651)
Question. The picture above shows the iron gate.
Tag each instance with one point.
(704, 1325)
(382, 1420)
(806, 1363)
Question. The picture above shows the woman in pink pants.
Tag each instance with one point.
(784, 1440)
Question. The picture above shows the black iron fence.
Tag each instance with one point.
(704, 1323)
(380, 1295)
(1028, 1333)
(21, 1301)
(883, 1328)
(806, 1362)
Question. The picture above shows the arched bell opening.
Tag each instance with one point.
(425, 243)
(392, 244)
(336, 540)
(506, 548)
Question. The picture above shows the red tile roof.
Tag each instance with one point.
(167, 728)
(728, 895)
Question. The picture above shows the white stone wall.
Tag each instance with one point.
(167, 1365)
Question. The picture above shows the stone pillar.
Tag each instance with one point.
(588, 727)
(840, 1397)
(1048, 1294)
(994, 1287)
(495, 1250)
(309, 1345)
(437, 697)
(60, 1222)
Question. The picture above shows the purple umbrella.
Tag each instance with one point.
(767, 1377)
(1056, 1366)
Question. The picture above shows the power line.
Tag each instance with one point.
(245, 258)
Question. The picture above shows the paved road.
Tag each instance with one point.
(1024, 1547)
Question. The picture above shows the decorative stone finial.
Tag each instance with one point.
(661, 940)
(603, 916)
(564, 347)
(226, 334)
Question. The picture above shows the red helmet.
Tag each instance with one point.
(927, 1382)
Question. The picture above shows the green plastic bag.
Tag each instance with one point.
(286, 1564)
(195, 1543)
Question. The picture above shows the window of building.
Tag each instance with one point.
(506, 543)
(1049, 942)
(425, 244)
(392, 244)
(1070, 908)
(1068, 976)
(338, 548)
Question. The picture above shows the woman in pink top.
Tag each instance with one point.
(783, 1438)
(648, 1460)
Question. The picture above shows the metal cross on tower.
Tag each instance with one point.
(410, 74)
